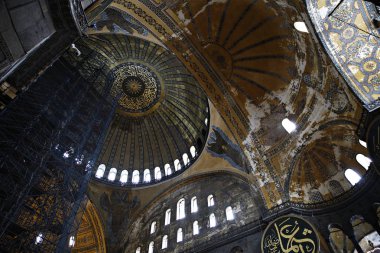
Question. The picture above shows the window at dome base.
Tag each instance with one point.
(301, 27)
(363, 161)
(146, 176)
(124, 176)
(100, 171)
(169, 109)
(352, 176)
(112, 174)
(168, 170)
(157, 173)
(135, 177)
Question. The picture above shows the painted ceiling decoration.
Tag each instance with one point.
(90, 236)
(162, 112)
(255, 79)
(352, 41)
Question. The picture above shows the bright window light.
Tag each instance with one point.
(124, 176)
(100, 171)
(151, 247)
(352, 176)
(112, 174)
(212, 220)
(179, 235)
(164, 242)
(195, 228)
(363, 160)
(363, 143)
(301, 27)
(229, 213)
(39, 239)
(288, 125)
(72, 241)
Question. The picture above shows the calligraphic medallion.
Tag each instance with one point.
(136, 87)
(290, 234)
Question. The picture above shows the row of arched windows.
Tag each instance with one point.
(352, 176)
(180, 237)
(181, 208)
(147, 174)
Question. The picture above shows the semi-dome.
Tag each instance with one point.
(161, 119)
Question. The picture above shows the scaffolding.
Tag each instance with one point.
(50, 138)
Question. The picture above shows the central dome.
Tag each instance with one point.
(162, 117)
(136, 87)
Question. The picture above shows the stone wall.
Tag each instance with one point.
(228, 190)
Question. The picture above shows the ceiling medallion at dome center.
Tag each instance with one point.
(135, 86)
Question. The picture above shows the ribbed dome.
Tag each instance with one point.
(162, 114)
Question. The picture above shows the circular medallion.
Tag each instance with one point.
(135, 86)
(290, 234)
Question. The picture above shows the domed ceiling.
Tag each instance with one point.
(161, 114)
(257, 70)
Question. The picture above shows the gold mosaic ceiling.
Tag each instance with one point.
(257, 70)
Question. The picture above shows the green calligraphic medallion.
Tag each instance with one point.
(290, 234)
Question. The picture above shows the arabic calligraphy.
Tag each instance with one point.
(290, 234)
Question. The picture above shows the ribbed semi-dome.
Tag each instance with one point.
(162, 116)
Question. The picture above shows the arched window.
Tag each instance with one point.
(193, 151)
(210, 200)
(363, 143)
(100, 171)
(194, 205)
(164, 242)
(135, 177)
(186, 159)
(177, 165)
(181, 209)
(168, 213)
(195, 228)
(157, 173)
(229, 213)
(288, 125)
(124, 176)
(206, 121)
(138, 250)
(301, 27)
(168, 170)
(352, 176)
(179, 235)
(147, 175)
(151, 247)
(112, 174)
(363, 161)
(212, 220)
(153, 227)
